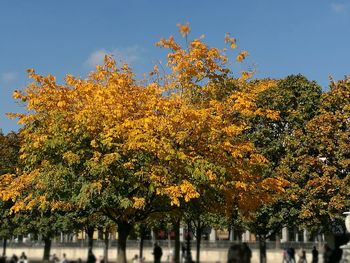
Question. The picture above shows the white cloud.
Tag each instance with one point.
(8, 76)
(339, 8)
(95, 58)
(128, 55)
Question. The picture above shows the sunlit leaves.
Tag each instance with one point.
(231, 41)
(184, 29)
(242, 55)
(113, 143)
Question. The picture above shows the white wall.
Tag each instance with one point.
(207, 255)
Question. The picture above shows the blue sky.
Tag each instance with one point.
(311, 37)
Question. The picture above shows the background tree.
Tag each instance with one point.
(297, 101)
(9, 153)
(318, 162)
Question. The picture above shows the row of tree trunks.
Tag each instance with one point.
(123, 232)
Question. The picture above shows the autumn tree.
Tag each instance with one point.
(111, 143)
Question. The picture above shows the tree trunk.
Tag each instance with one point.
(90, 233)
(142, 238)
(47, 249)
(198, 243)
(262, 247)
(188, 258)
(177, 241)
(4, 245)
(106, 241)
(124, 229)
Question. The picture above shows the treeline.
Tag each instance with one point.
(191, 145)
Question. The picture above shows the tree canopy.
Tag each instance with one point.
(318, 162)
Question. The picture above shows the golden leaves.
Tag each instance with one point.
(18, 95)
(138, 202)
(194, 63)
(184, 29)
(242, 55)
(230, 40)
(111, 121)
(71, 158)
(110, 158)
(184, 190)
(168, 43)
(211, 176)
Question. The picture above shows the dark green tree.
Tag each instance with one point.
(9, 159)
(318, 162)
(297, 101)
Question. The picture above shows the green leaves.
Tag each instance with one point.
(297, 101)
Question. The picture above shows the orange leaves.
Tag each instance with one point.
(114, 130)
(211, 176)
(61, 104)
(168, 43)
(18, 95)
(184, 190)
(242, 55)
(12, 188)
(139, 202)
(194, 63)
(233, 45)
(230, 40)
(184, 29)
(274, 184)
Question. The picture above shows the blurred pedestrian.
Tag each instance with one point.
(302, 256)
(246, 252)
(23, 258)
(314, 255)
(291, 254)
(327, 254)
(285, 258)
(54, 259)
(64, 259)
(235, 254)
(157, 253)
(135, 259)
(91, 257)
(14, 259)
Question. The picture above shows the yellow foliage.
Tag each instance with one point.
(139, 202)
(231, 41)
(184, 29)
(174, 123)
(242, 55)
(71, 158)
